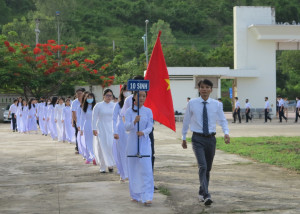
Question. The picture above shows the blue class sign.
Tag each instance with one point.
(138, 85)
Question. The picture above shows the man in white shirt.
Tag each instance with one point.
(237, 110)
(281, 109)
(267, 107)
(247, 111)
(75, 109)
(297, 109)
(201, 116)
(13, 110)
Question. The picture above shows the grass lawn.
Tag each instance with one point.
(280, 151)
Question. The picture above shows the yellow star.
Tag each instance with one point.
(168, 82)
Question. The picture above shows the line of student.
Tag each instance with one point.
(105, 133)
(281, 108)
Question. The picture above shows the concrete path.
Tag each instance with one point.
(39, 175)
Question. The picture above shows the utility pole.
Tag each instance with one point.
(58, 32)
(146, 38)
(37, 31)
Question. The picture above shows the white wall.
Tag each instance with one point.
(253, 54)
(181, 89)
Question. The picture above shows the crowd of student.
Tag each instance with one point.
(281, 109)
(105, 133)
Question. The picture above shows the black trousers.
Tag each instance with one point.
(76, 132)
(14, 121)
(297, 115)
(204, 149)
(267, 115)
(151, 136)
(248, 115)
(237, 112)
(281, 115)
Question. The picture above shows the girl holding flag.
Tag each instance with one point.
(141, 184)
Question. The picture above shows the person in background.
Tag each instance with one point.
(19, 106)
(58, 110)
(24, 117)
(75, 107)
(281, 109)
(40, 115)
(102, 122)
(32, 125)
(120, 136)
(67, 121)
(86, 130)
(237, 110)
(267, 109)
(297, 109)
(13, 110)
(286, 106)
(247, 111)
(51, 118)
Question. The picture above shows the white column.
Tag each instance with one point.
(219, 88)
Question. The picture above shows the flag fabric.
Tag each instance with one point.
(159, 97)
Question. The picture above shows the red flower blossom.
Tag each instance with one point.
(89, 61)
(102, 77)
(6, 43)
(76, 63)
(103, 67)
(11, 49)
(111, 77)
(38, 45)
(36, 50)
(63, 53)
(51, 41)
(67, 70)
(45, 62)
(95, 71)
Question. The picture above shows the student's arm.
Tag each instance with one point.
(149, 126)
(115, 120)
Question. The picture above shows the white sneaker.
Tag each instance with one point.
(201, 198)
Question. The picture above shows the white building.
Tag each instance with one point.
(256, 39)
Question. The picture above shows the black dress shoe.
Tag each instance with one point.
(208, 201)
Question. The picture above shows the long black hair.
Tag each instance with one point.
(22, 103)
(135, 93)
(19, 101)
(122, 97)
(84, 96)
(53, 101)
(85, 104)
(30, 104)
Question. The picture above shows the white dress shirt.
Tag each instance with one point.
(267, 104)
(298, 104)
(247, 105)
(237, 104)
(281, 102)
(193, 117)
(13, 108)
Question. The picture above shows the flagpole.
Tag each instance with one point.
(146, 41)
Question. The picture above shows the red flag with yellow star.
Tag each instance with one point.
(159, 97)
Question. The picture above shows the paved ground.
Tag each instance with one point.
(39, 175)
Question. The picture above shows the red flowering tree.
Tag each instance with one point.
(43, 69)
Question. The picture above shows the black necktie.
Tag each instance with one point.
(205, 119)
